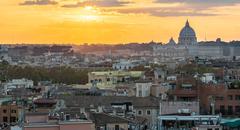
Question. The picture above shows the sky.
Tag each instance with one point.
(115, 21)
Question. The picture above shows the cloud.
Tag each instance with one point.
(166, 13)
(162, 11)
(39, 2)
(99, 3)
(200, 1)
(202, 4)
(185, 8)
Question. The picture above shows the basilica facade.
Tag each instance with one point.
(188, 46)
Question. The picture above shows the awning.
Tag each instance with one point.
(233, 123)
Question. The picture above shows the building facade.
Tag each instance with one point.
(143, 88)
(10, 113)
(189, 47)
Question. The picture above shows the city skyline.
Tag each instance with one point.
(113, 21)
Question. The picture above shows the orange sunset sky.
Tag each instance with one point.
(115, 21)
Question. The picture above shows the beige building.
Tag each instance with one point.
(10, 113)
(161, 90)
(105, 79)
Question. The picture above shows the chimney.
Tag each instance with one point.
(62, 116)
(82, 110)
(100, 109)
(114, 112)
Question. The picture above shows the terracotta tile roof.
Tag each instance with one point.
(45, 101)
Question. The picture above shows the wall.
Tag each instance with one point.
(62, 126)
(36, 118)
(218, 94)
(53, 127)
(123, 126)
(79, 126)
(143, 89)
(11, 111)
(152, 117)
(174, 107)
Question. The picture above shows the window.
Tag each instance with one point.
(237, 109)
(13, 111)
(160, 95)
(230, 97)
(5, 119)
(13, 119)
(148, 112)
(219, 98)
(140, 93)
(230, 110)
(186, 86)
(222, 109)
(102, 128)
(139, 112)
(237, 97)
(117, 127)
(4, 111)
(159, 76)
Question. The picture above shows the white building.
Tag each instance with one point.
(178, 107)
(17, 83)
(172, 78)
(126, 64)
(123, 65)
(143, 88)
(205, 51)
(195, 122)
(171, 50)
(208, 77)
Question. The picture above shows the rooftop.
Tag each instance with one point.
(45, 101)
(102, 119)
(87, 101)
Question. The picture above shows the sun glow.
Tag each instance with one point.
(88, 8)
(90, 13)
(89, 17)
